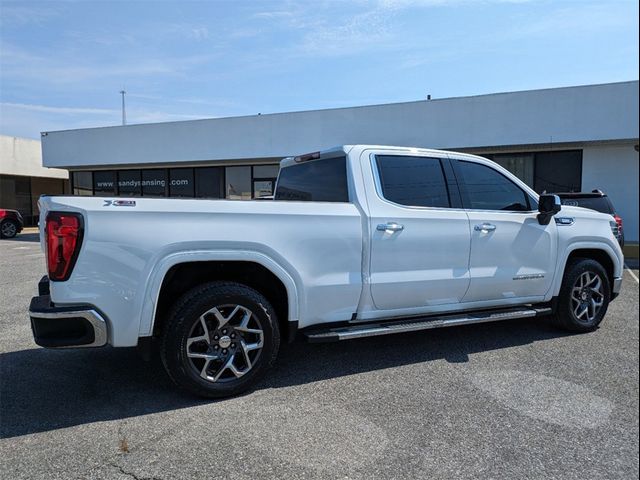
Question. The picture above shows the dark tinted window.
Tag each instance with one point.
(129, 184)
(82, 183)
(413, 181)
(181, 182)
(323, 180)
(154, 183)
(104, 183)
(599, 204)
(487, 189)
(209, 182)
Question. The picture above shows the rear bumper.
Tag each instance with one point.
(617, 285)
(79, 326)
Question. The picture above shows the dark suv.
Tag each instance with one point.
(595, 200)
(11, 223)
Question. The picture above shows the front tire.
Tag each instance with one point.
(8, 229)
(220, 339)
(584, 296)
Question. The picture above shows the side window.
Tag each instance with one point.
(487, 189)
(413, 181)
(323, 180)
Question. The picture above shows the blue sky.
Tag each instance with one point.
(62, 63)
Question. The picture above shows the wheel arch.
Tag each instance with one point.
(181, 272)
(603, 254)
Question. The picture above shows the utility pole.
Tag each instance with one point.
(124, 113)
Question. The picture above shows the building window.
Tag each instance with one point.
(181, 182)
(558, 171)
(104, 184)
(154, 183)
(520, 164)
(264, 180)
(82, 183)
(129, 184)
(209, 182)
(238, 183)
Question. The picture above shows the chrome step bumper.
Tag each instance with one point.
(391, 327)
(76, 326)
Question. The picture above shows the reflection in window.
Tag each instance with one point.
(487, 189)
(238, 183)
(263, 188)
(209, 182)
(129, 184)
(82, 183)
(413, 181)
(181, 182)
(520, 164)
(265, 171)
(104, 183)
(154, 183)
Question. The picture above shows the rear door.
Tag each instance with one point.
(512, 257)
(420, 237)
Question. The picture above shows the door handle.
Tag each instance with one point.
(485, 227)
(390, 227)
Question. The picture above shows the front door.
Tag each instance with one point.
(512, 256)
(419, 244)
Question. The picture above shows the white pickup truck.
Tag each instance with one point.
(358, 241)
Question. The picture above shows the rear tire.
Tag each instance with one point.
(584, 296)
(220, 339)
(8, 229)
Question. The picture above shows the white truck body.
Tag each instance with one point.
(343, 263)
(334, 263)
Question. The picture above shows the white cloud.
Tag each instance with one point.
(28, 120)
(58, 110)
(19, 64)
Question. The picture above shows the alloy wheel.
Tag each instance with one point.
(225, 343)
(587, 297)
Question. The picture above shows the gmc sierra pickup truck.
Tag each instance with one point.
(358, 241)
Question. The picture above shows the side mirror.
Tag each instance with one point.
(548, 206)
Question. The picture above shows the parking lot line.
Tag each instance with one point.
(631, 273)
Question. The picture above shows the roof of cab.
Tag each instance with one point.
(345, 149)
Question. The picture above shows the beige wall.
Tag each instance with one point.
(23, 156)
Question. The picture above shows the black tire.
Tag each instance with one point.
(576, 273)
(184, 322)
(6, 231)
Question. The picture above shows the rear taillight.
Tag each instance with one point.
(64, 237)
(618, 221)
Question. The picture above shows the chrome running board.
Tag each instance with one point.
(363, 330)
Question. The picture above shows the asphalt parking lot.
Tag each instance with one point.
(507, 400)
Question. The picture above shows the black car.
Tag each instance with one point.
(11, 223)
(595, 200)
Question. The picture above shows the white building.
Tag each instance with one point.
(23, 178)
(560, 139)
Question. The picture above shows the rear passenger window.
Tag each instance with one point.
(487, 189)
(323, 180)
(413, 181)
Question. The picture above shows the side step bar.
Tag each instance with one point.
(390, 327)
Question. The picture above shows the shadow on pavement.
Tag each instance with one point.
(44, 390)
(26, 237)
